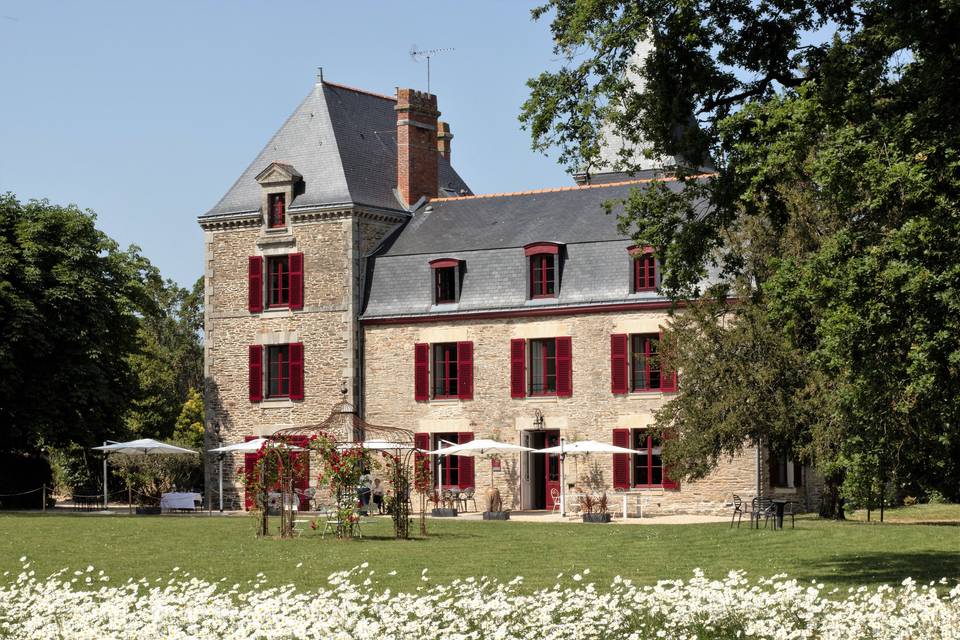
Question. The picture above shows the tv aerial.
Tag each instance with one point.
(417, 55)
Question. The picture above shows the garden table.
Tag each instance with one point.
(778, 506)
(179, 500)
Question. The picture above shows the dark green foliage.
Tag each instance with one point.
(96, 344)
(832, 213)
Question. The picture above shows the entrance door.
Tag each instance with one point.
(552, 470)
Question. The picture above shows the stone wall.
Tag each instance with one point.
(334, 262)
(592, 412)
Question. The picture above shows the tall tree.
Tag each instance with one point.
(68, 297)
(832, 128)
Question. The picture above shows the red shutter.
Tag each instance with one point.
(255, 284)
(255, 368)
(621, 461)
(421, 371)
(619, 372)
(466, 462)
(668, 378)
(296, 280)
(249, 466)
(422, 442)
(465, 370)
(518, 379)
(564, 367)
(668, 482)
(296, 371)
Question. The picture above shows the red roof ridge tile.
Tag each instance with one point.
(555, 189)
(356, 90)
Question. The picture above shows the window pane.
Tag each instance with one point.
(446, 284)
(543, 366)
(445, 370)
(640, 462)
(656, 462)
(278, 371)
(278, 281)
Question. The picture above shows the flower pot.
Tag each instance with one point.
(443, 513)
(596, 517)
(496, 515)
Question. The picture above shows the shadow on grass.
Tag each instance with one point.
(892, 568)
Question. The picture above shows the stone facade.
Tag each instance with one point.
(334, 246)
(591, 412)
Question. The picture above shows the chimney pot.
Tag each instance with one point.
(417, 140)
(443, 139)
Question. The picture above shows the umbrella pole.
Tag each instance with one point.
(563, 485)
(129, 498)
(105, 477)
(220, 482)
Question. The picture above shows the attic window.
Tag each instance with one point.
(446, 280)
(277, 214)
(646, 269)
(544, 263)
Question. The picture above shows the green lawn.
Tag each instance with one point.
(841, 554)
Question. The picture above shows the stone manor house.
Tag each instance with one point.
(351, 254)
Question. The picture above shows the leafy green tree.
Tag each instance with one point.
(831, 128)
(189, 426)
(68, 297)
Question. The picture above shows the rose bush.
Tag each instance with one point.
(84, 604)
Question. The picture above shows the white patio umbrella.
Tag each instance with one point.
(250, 446)
(482, 448)
(378, 445)
(141, 447)
(583, 447)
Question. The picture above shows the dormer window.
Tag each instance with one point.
(646, 269)
(544, 269)
(446, 280)
(277, 214)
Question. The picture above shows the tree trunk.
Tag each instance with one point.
(831, 502)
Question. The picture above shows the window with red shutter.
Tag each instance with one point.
(446, 372)
(465, 370)
(421, 372)
(278, 281)
(621, 461)
(255, 284)
(278, 371)
(249, 477)
(619, 367)
(564, 367)
(296, 280)
(466, 462)
(543, 367)
(255, 371)
(646, 269)
(296, 371)
(518, 378)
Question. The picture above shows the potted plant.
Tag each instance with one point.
(495, 509)
(595, 510)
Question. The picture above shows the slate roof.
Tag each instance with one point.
(488, 233)
(344, 143)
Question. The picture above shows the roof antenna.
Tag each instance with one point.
(417, 54)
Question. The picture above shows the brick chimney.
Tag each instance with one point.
(417, 141)
(443, 139)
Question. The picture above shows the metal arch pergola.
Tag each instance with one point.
(344, 427)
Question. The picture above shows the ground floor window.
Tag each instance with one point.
(785, 473)
(648, 465)
(447, 468)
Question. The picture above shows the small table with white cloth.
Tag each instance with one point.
(179, 500)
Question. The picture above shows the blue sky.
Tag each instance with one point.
(147, 112)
